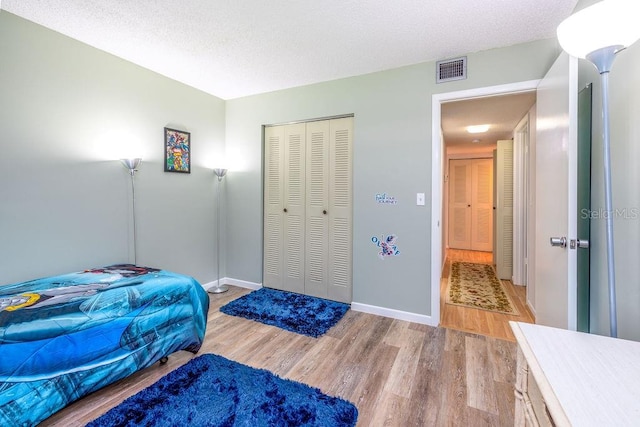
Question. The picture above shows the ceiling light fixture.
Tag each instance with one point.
(478, 128)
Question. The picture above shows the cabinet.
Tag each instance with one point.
(568, 378)
(307, 208)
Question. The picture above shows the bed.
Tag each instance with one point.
(66, 336)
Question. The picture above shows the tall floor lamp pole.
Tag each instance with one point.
(218, 289)
(132, 165)
(597, 33)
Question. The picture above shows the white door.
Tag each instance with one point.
(328, 238)
(471, 204)
(504, 209)
(273, 207)
(317, 243)
(482, 205)
(339, 212)
(284, 217)
(307, 208)
(460, 204)
(556, 189)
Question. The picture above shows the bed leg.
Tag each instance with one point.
(164, 360)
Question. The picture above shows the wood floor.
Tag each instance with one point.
(397, 373)
(475, 320)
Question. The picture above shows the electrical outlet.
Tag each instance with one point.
(420, 199)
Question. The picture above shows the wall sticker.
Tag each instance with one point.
(384, 198)
(387, 245)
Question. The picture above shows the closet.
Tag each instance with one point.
(308, 208)
(471, 204)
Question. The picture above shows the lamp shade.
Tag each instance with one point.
(605, 24)
(220, 172)
(131, 164)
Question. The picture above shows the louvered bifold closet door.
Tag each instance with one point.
(307, 214)
(340, 209)
(274, 147)
(504, 210)
(284, 217)
(294, 207)
(317, 244)
(460, 204)
(482, 205)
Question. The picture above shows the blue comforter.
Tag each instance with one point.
(66, 336)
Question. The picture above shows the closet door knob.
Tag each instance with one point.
(285, 209)
(324, 212)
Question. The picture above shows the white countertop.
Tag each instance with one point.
(585, 379)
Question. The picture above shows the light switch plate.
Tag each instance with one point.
(420, 199)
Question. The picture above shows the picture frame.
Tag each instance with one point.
(177, 151)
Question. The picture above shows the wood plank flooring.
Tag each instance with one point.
(475, 320)
(397, 373)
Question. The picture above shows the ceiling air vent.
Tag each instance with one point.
(451, 69)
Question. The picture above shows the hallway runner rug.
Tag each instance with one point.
(477, 286)
(211, 390)
(297, 313)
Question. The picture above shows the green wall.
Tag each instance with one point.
(66, 109)
(392, 154)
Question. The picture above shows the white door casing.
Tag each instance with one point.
(520, 198)
(556, 194)
(437, 179)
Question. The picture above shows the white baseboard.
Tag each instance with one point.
(533, 311)
(395, 314)
(242, 283)
(233, 282)
(356, 306)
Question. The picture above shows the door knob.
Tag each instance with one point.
(558, 241)
(578, 243)
(583, 243)
(324, 212)
(285, 209)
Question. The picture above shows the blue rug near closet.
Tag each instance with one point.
(213, 391)
(298, 313)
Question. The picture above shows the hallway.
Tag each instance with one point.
(479, 321)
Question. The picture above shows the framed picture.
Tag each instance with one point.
(177, 151)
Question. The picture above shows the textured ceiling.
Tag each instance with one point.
(234, 48)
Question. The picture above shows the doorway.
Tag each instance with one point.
(439, 166)
(486, 209)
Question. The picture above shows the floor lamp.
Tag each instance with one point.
(597, 33)
(218, 289)
(132, 165)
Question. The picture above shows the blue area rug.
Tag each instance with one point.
(213, 391)
(287, 310)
